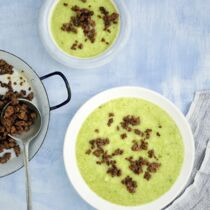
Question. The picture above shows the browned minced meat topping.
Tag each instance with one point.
(96, 130)
(6, 142)
(151, 154)
(18, 117)
(158, 134)
(69, 27)
(5, 157)
(117, 152)
(123, 136)
(98, 142)
(148, 132)
(110, 121)
(147, 176)
(98, 152)
(97, 149)
(88, 151)
(129, 120)
(104, 41)
(114, 171)
(9, 143)
(80, 46)
(83, 19)
(135, 146)
(142, 145)
(107, 159)
(5, 68)
(76, 45)
(130, 184)
(138, 132)
(137, 165)
(111, 114)
(108, 30)
(153, 167)
(6, 85)
(108, 18)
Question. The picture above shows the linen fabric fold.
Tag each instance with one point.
(196, 195)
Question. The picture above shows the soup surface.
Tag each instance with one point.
(129, 151)
(84, 28)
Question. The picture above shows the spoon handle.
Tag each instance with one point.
(27, 177)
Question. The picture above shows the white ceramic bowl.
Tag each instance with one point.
(71, 136)
(83, 63)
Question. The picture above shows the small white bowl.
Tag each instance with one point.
(83, 63)
(70, 147)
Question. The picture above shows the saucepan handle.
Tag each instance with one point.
(57, 73)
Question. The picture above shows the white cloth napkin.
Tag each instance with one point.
(196, 195)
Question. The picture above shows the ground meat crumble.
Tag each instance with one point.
(147, 176)
(153, 167)
(108, 18)
(137, 165)
(114, 171)
(13, 122)
(158, 134)
(5, 68)
(117, 152)
(142, 145)
(110, 119)
(82, 19)
(151, 154)
(123, 135)
(130, 184)
(18, 118)
(129, 120)
(76, 45)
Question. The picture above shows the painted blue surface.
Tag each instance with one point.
(168, 51)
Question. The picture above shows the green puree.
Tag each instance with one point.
(168, 148)
(61, 14)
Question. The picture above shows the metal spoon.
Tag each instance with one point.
(25, 138)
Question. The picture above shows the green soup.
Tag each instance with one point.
(62, 13)
(165, 140)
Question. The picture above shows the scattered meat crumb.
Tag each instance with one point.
(158, 134)
(130, 184)
(147, 176)
(123, 136)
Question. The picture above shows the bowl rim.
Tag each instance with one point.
(69, 155)
(83, 63)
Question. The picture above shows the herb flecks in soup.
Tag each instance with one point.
(129, 151)
(84, 28)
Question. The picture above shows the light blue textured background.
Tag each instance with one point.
(168, 51)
